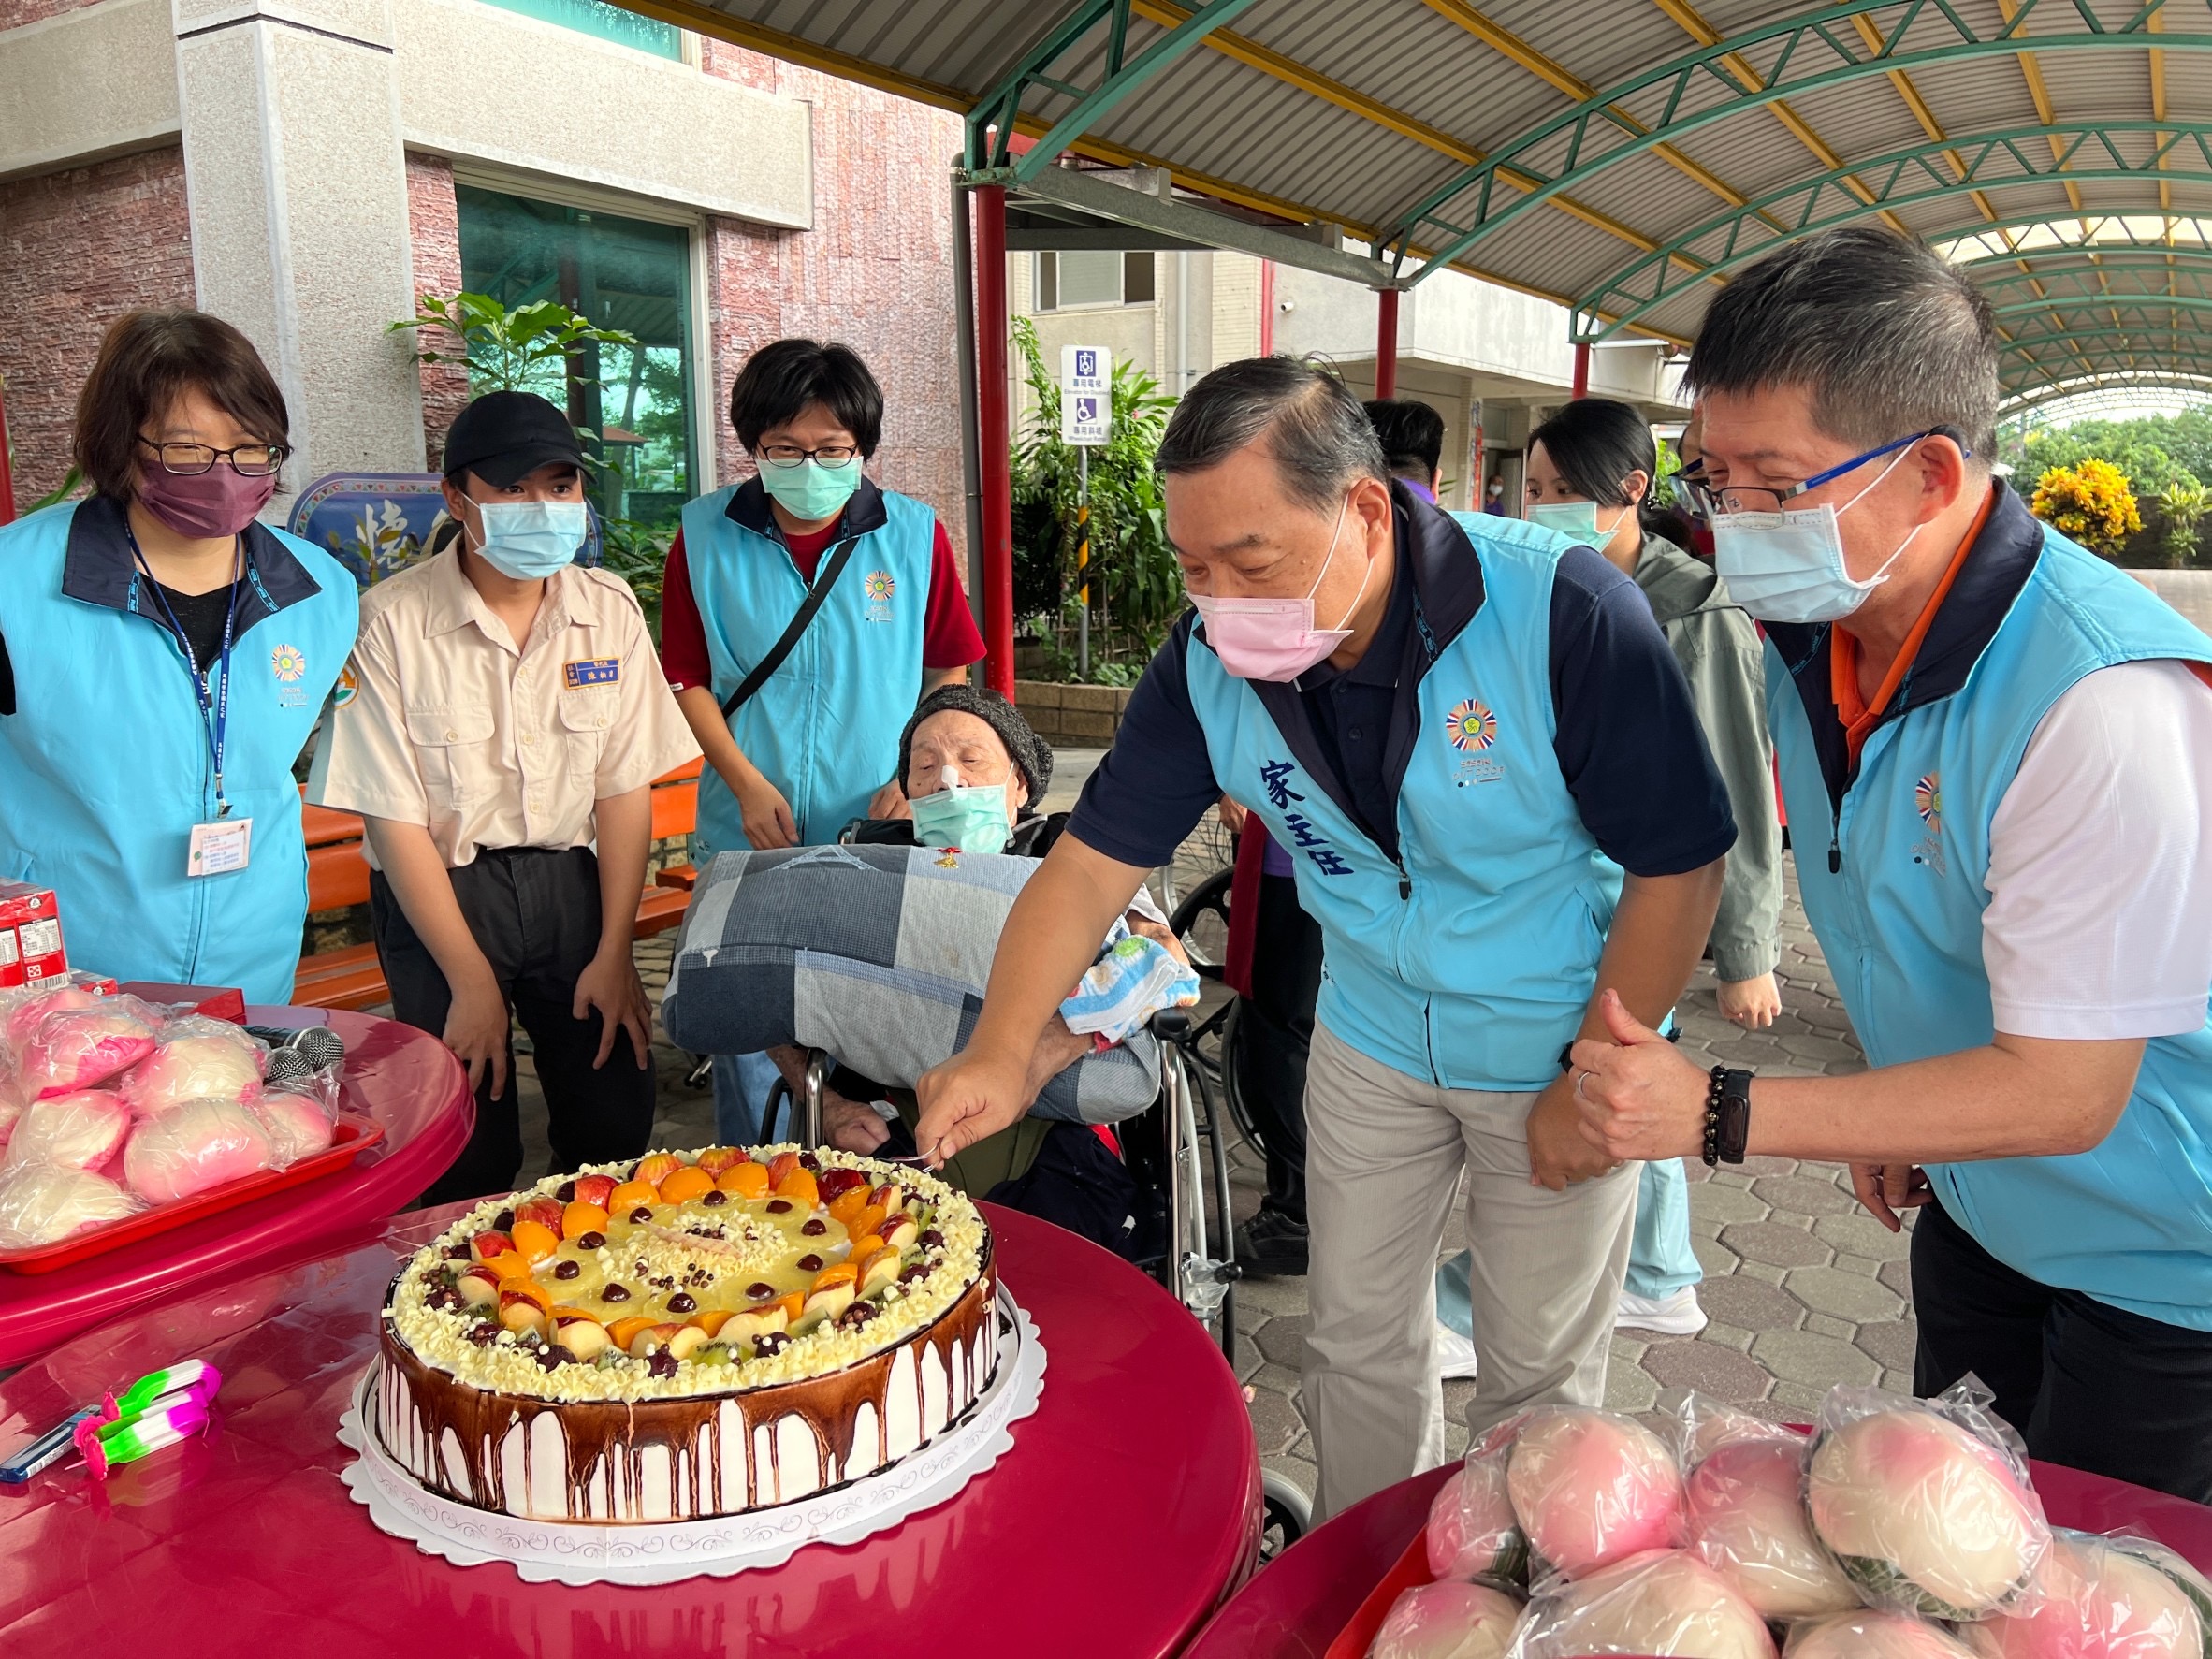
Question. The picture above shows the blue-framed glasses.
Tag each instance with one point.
(1706, 500)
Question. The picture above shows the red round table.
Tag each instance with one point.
(1127, 1507)
(1308, 1594)
(406, 1080)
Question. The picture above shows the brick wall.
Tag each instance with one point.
(876, 271)
(121, 231)
(14, 14)
(433, 223)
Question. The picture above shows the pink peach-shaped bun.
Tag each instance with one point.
(1712, 1425)
(1870, 1635)
(1446, 1620)
(1747, 1522)
(79, 1048)
(192, 1148)
(10, 1115)
(1663, 1604)
(1471, 1530)
(42, 1204)
(298, 1127)
(1593, 1487)
(77, 1131)
(25, 1009)
(2097, 1603)
(1926, 1518)
(194, 1068)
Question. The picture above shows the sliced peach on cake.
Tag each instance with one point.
(800, 1187)
(630, 1195)
(793, 1304)
(485, 1245)
(712, 1320)
(657, 1167)
(580, 1219)
(622, 1332)
(715, 1159)
(581, 1335)
(680, 1186)
(881, 1270)
(865, 1245)
(510, 1267)
(866, 1223)
(596, 1189)
(848, 1203)
(479, 1287)
(897, 1230)
(534, 1241)
(745, 1180)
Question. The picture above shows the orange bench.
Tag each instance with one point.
(338, 876)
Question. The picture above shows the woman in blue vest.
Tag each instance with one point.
(798, 712)
(1481, 757)
(163, 659)
(1996, 750)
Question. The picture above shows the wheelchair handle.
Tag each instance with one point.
(1170, 1025)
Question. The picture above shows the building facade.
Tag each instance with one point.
(308, 168)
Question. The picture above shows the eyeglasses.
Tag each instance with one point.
(791, 455)
(252, 460)
(1705, 499)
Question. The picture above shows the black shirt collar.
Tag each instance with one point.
(97, 567)
(750, 506)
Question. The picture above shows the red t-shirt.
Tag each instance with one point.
(949, 635)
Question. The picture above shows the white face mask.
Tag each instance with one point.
(1788, 566)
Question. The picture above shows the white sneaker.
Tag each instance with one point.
(1455, 1354)
(1677, 1314)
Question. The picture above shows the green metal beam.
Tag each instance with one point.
(2122, 303)
(2169, 151)
(1808, 51)
(1996, 277)
(1001, 104)
(2171, 345)
(2122, 380)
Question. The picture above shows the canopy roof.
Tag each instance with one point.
(1618, 156)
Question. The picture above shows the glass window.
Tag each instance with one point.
(1136, 279)
(608, 22)
(1090, 278)
(621, 274)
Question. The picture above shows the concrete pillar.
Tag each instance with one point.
(298, 190)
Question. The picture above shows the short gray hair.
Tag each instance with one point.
(1319, 434)
(1888, 339)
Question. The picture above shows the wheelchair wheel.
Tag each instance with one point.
(1198, 1265)
(1286, 1514)
(1201, 923)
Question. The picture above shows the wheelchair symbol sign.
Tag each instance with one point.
(1086, 405)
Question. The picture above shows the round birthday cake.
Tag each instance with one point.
(687, 1336)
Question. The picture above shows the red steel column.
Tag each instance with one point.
(994, 437)
(1386, 342)
(1267, 308)
(1582, 371)
(7, 477)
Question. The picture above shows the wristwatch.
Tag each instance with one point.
(1727, 1115)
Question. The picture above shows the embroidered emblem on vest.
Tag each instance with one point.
(1927, 800)
(1473, 727)
(289, 663)
(881, 585)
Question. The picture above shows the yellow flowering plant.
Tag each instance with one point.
(2091, 504)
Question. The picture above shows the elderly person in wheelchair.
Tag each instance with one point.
(974, 771)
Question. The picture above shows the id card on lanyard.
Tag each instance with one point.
(227, 843)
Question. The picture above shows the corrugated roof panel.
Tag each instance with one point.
(2090, 86)
(1977, 96)
(1602, 48)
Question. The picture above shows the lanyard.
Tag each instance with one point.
(214, 708)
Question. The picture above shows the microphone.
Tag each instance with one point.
(318, 1045)
(287, 1065)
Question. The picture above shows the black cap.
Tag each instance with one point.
(503, 437)
(1032, 755)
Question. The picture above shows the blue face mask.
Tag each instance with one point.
(531, 540)
(974, 818)
(811, 492)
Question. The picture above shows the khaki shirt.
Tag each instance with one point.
(440, 722)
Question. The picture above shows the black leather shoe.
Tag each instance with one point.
(1271, 1245)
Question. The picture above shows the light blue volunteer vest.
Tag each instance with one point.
(104, 766)
(825, 727)
(1470, 962)
(2130, 1222)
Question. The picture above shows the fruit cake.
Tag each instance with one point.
(687, 1336)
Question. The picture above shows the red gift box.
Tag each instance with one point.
(218, 1002)
(30, 934)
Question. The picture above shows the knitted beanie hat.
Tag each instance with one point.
(1032, 756)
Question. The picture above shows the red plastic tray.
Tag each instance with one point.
(355, 1135)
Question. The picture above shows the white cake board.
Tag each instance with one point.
(647, 1552)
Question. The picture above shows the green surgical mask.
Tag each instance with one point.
(974, 818)
(1574, 519)
(810, 490)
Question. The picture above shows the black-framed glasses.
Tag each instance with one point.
(1706, 500)
(254, 461)
(791, 455)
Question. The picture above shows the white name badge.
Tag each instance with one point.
(221, 847)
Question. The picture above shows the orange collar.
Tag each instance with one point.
(1857, 715)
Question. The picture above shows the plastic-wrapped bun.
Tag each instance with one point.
(1703, 1425)
(79, 1048)
(1664, 1603)
(196, 1059)
(1926, 1516)
(296, 1124)
(192, 1148)
(2097, 1603)
(80, 1131)
(2185, 1576)
(10, 1113)
(20, 1011)
(40, 1204)
(1447, 1621)
(1471, 1532)
(1868, 1634)
(1593, 1487)
(1747, 1522)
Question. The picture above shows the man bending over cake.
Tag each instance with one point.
(1466, 736)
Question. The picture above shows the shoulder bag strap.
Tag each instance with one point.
(768, 665)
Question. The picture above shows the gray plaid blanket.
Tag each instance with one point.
(877, 954)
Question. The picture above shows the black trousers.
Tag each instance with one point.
(535, 915)
(1276, 1029)
(2087, 1384)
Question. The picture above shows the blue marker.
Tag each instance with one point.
(45, 1450)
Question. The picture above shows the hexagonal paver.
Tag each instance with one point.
(1847, 1296)
(1820, 1362)
(1275, 1422)
(1750, 1304)
(1722, 1201)
(1803, 1193)
(1708, 1368)
(1776, 1242)
(1818, 1050)
(1898, 1275)
(1758, 1164)
(1890, 1341)
(1858, 1233)
(1630, 1389)
(1717, 1259)
(1282, 1339)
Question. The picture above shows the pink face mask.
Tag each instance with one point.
(220, 501)
(1276, 639)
